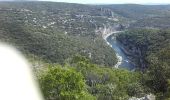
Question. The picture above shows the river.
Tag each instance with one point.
(123, 60)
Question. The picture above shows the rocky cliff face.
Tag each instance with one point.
(109, 29)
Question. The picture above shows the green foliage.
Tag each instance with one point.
(151, 46)
(55, 31)
(143, 16)
(135, 90)
(108, 83)
(88, 81)
(63, 83)
(135, 11)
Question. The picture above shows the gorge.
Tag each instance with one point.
(123, 59)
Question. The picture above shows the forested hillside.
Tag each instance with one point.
(65, 42)
(151, 50)
(79, 79)
(56, 31)
(135, 11)
(143, 16)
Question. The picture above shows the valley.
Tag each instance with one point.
(123, 59)
(92, 52)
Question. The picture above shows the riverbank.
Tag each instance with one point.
(105, 36)
(122, 57)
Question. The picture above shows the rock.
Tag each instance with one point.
(151, 97)
(147, 97)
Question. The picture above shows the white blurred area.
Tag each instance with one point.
(16, 78)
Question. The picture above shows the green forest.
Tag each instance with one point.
(79, 79)
(152, 46)
(70, 58)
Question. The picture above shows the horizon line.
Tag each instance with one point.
(86, 3)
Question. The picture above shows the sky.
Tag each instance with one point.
(106, 1)
(114, 1)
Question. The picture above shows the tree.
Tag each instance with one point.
(63, 83)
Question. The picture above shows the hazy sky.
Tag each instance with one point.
(114, 1)
(106, 1)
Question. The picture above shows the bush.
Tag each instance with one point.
(59, 83)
